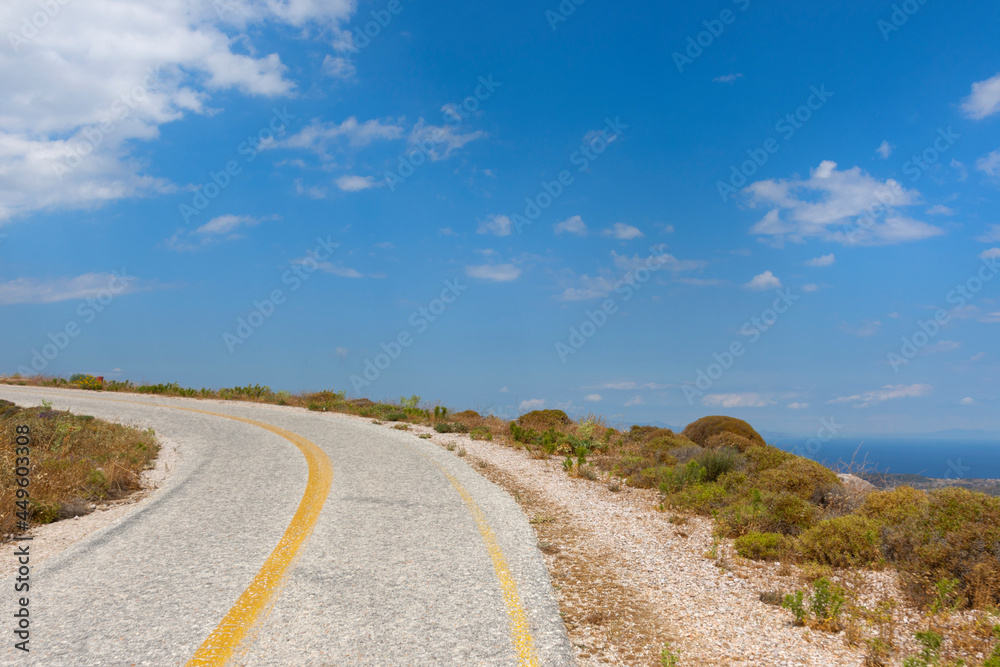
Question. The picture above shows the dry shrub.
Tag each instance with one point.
(74, 460)
(846, 541)
(703, 429)
(799, 476)
(727, 439)
(543, 420)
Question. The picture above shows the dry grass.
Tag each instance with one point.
(75, 459)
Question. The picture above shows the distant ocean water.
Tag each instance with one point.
(943, 459)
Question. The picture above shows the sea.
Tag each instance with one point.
(941, 459)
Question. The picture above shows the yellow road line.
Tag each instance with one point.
(520, 631)
(232, 637)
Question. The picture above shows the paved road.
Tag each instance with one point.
(252, 551)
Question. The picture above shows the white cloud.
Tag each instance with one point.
(318, 136)
(88, 108)
(991, 235)
(940, 209)
(744, 400)
(798, 406)
(884, 149)
(574, 225)
(848, 207)
(629, 385)
(623, 232)
(338, 67)
(990, 163)
(532, 404)
(225, 224)
(635, 400)
(968, 400)
(504, 390)
(498, 225)
(341, 352)
(943, 346)
(593, 287)
(764, 281)
(984, 100)
(810, 287)
(593, 398)
(825, 260)
(887, 393)
(495, 272)
(979, 356)
(992, 253)
(866, 329)
(444, 139)
(30, 290)
(349, 183)
(728, 78)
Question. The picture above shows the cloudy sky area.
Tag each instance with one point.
(783, 213)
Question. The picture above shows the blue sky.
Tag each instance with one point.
(784, 213)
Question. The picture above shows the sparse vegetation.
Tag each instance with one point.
(76, 460)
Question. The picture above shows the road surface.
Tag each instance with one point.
(287, 537)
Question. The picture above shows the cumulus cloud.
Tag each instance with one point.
(574, 225)
(992, 253)
(991, 235)
(220, 228)
(825, 260)
(635, 400)
(442, 140)
(842, 206)
(984, 100)
(764, 281)
(940, 209)
(338, 67)
(593, 287)
(623, 232)
(990, 163)
(798, 406)
(889, 392)
(499, 273)
(968, 400)
(498, 225)
(532, 404)
(72, 114)
(593, 398)
(884, 149)
(741, 400)
(320, 137)
(350, 183)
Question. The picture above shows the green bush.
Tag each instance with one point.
(676, 478)
(396, 417)
(542, 420)
(727, 439)
(481, 433)
(799, 476)
(846, 541)
(701, 498)
(718, 462)
(895, 506)
(766, 512)
(761, 546)
(444, 427)
(700, 431)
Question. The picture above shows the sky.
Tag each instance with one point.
(787, 213)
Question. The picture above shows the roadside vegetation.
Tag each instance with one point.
(776, 507)
(76, 461)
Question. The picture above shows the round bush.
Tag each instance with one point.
(703, 429)
(761, 546)
(846, 541)
(543, 420)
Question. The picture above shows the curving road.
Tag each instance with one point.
(286, 537)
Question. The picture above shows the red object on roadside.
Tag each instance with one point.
(100, 378)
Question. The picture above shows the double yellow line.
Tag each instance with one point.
(234, 634)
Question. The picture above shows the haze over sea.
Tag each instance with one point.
(938, 458)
